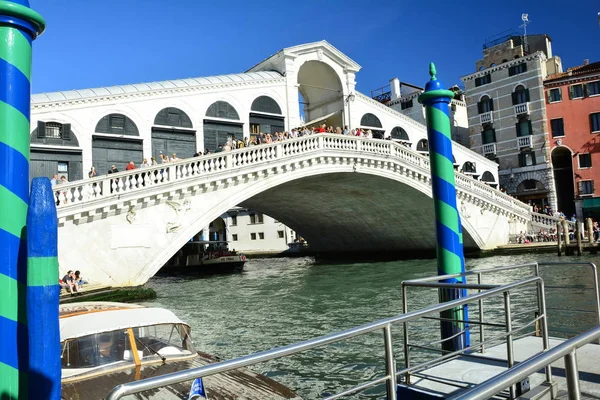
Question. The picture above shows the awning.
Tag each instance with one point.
(324, 117)
(592, 204)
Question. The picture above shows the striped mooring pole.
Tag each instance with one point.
(450, 255)
(19, 26)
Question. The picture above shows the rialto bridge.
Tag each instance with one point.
(341, 193)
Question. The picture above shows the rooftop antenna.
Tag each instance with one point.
(525, 19)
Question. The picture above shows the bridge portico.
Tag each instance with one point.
(340, 193)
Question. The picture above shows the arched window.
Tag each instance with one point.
(222, 109)
(117, 124)
(488, 177)
(265, 104)
(423, 145)
(524, 127)
(370, 120)
(485, 105)
(173, 117)
(469, 167)
(520, 95)
(399, 134)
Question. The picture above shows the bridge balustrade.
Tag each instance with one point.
(147, 179)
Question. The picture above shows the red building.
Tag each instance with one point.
(573, 112)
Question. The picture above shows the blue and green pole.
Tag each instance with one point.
(19, 26)
(450, 255)
(43, 293)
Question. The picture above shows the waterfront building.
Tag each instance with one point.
(251, 231)
(402, 97)
(506, 107)
(573, 112)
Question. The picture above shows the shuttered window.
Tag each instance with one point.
(585, 187)
(517, 69)
(585, 160)
(576, 91)
(488, 136)
(520, 95)
(483, 80)
(595, 122)
(485, 105)
(524, 128)
(554, 95)
(593, 88)
(526, 159)
(557, 126)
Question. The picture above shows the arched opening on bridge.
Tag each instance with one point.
(488, 178)
(48, 161)
(533, 192)
(423, 146)
(117, 151)
(322, 94)
(470, 168)
(371, 122)
(221, 125)
(562, 165)
(265, 116)
(173, 133)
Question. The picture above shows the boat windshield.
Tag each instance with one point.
(149, 342)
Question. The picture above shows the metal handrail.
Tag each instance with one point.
(567, 349)
(384, 324)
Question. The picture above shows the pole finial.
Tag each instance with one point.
(432, 71)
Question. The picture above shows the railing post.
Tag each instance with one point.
(358, 144)
(572, 374)
(278, 150)
(405, 334)
(229, 160)
(510, 357)
(481, 327)
(320, 141)
(390, 362)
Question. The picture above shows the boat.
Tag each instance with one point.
(205, 257)
(106, 344)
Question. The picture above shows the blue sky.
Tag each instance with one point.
(91, 43)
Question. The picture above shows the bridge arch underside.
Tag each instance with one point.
(354, 213)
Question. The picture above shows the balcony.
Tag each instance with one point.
(522, 108)
(524, 142)
(486, 118)
(489, 149)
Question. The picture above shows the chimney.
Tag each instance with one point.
(586, 61)
(395, 88)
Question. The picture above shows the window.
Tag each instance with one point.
(488, 135)
(484, 80)
(529, 184)
(576, 91)
(234, 237)
(256, 218)
(253, 236)
(233, 220)
(554, 95)
(63, 167)
(526, 159)
(280, 234)
(406, 104)
(485, 105)
(593, 88)
(517, 69)
(261, 235)
(585, 187)
(558, 127)
(524, 128)
(585, 160)
(520, 95)
(595, 122)
(53, 130)
(116, 122)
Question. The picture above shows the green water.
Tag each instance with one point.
(280, 301)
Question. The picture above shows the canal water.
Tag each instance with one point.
(279, 301)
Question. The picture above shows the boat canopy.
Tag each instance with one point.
(111, 320)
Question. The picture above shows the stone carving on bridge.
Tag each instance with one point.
(464, 210)
(180, 211)
(130, 217)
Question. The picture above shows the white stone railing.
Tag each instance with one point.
(522, 108)
(486, 117)
(489, 148)
(524, 141)
(147, 181)
(546, 221)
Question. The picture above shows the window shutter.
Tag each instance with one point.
(514, 98)
(559, 94)
(493, 135)
(529, 126)
(591, 124)
(527, 94)
(591, 186)
(521, 159)
(511, 71)
(524, 67)
(518, 127)
(479, 108)
(66, 131)
(41, 129)
(571, 92)
(491, 101)
(548, 96)
(533, 158)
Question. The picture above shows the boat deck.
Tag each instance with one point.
(465, 372)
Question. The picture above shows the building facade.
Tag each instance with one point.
(573, 112)
(506, 107)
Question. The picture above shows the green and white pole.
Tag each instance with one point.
(450, 255)
(19, 26)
